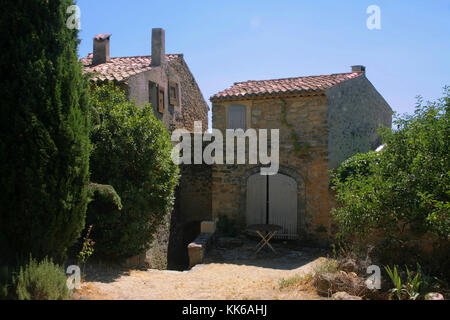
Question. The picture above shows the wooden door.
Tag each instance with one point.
(281, 209)
(257, 200)
(283, 204)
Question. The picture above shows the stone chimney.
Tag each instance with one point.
(101, 49)
(158, 47)
(359, 69)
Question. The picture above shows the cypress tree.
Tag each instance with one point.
(44, 131)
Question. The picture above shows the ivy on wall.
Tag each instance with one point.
(300, 148)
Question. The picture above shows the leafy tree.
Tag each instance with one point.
(132, 153)
(405, 188)
(44, 131)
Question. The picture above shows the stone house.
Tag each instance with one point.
(164, 80)
(323, 120)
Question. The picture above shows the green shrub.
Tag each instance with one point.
(410, 287)
(104, 211)
(132, 153)
(44, 131)
(405, 189)
(360, 165)
(296, 281)
(41, 281)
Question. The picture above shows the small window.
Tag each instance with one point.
(173, 93)
(237, 117)
(161, 99)
(153, 95)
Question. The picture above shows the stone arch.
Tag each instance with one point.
(301, 195)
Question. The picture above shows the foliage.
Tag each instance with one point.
(327, 266)
(104, 194)
(41, 281)
(87, 249)
(413, 283)
(44, 131)
(360, 165)
(296, 281)
(132, 153)
(405, 188)
(103, 213)
(410, 289)
(397, 282)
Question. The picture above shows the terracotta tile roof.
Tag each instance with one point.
(120, 69)
(283, 86)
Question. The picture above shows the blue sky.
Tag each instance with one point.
(228, 41)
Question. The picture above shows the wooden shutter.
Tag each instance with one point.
(236, 117)
(173, 93)
(161, 99)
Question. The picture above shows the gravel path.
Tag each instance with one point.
(240, 279)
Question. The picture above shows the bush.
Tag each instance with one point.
(104, 211)
(405, 189)
(132, 153)
(44, 131)
(39, 281)
(360, 165)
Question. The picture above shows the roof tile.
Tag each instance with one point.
(285, 86)
(120, 69)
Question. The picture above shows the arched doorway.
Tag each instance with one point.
(273, 200)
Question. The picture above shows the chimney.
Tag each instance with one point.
(359, 69)
(101, 49)
(158, 47)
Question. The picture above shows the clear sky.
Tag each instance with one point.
(229, 41)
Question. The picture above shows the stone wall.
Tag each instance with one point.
(356, 111)
(193, 106)
(308, 115)
(192, 206)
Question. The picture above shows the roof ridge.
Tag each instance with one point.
(280, 86)
(145, 56)
(290, 78)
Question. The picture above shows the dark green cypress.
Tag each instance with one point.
(44, 131)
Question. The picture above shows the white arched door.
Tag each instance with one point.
(273, 200)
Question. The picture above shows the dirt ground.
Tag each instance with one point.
(229, 273)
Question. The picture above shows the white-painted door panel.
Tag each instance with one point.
(283, 204)
(256, 199)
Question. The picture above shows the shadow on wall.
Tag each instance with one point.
(181, 234)
(192, 206)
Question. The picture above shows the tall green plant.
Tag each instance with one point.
(132, 153)
(409, 289)
(44, 131)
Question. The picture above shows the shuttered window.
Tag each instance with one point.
(161, 99)
(237, 117)
(173, 93)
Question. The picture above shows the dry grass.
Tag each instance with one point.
(297, 282)
(327, 266)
